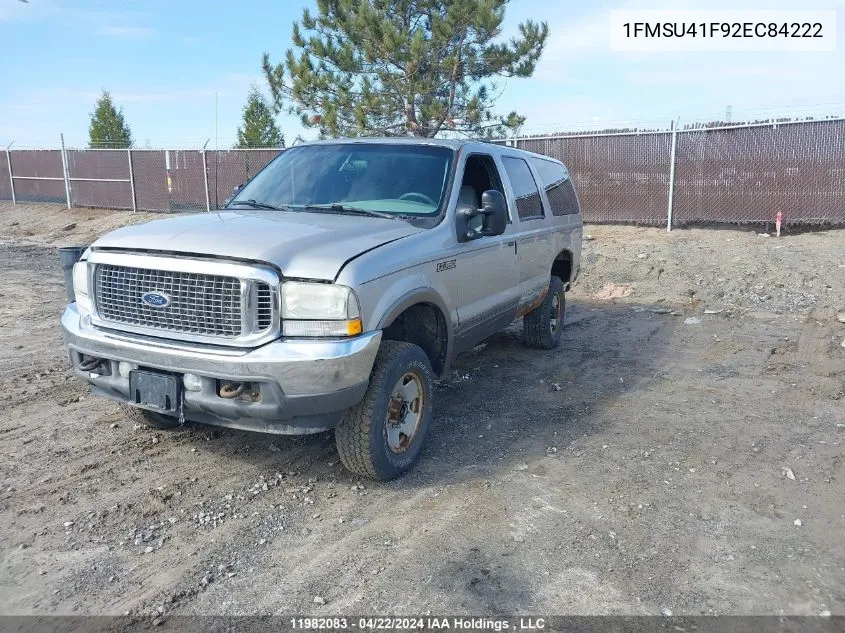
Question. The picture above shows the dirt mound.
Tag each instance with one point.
(713, 269)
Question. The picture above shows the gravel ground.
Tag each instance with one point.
(682, 450)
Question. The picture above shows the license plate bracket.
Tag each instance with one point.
(152, 389)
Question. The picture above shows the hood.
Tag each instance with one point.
(308, 245)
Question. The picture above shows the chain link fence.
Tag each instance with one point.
(5, 177)
(137, 179)
(99, 178)
(36, 175)
(749, 174)
(734, 174)
(229, 168)
(619, 177)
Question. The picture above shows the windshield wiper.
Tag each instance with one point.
(342, 208)
(258, 205)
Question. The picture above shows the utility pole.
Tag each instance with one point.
(66, 172)
(672, 174)
(216, 155)
(11, 175)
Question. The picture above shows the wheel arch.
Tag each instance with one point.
(409, 318)
(562, 266)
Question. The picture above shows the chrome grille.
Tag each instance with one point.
(207, 305)
(263, 306)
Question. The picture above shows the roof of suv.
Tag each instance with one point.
(454, 144)
(394, 140)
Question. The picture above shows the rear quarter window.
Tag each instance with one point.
(529, 204)
(558, 186)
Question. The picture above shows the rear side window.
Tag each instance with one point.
(558, 186)
(529, 205)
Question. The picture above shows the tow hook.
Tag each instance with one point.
(231, 390)
(89, 363)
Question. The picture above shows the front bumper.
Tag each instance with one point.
(305, 386)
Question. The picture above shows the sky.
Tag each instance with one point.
(181, 70)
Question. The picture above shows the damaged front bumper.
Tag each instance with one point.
(302, 386)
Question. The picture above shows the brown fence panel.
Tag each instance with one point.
(28, 164)
(748, 174)
(187, 185)
(44, 163)
(5, 184)
(151, 188)
(40, 190)
(622, 178)
(93, 172)
(229, 168)
(740, 174)
(108, 195)
(98, 163)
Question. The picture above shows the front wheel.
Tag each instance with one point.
(543, 325)
(383, 435)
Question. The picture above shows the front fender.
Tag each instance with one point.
(413, 297)
(384, 299)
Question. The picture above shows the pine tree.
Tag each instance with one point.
(396, 67)
(108, 129)
(259, 128)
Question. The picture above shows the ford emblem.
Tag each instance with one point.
(155, 299)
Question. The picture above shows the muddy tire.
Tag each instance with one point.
(542, 326)
(151, 418)
(382, 436)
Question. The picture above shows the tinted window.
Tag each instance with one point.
(558, 186)
(528, 203)
(401, 179)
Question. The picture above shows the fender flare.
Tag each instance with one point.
(423, 295)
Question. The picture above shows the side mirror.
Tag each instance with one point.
(494, 217)
(235, 191)
(495, 211)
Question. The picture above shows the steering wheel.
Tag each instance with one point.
(411, 195)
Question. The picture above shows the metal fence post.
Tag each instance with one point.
(131, 179)
(205, 177)
(671, 176)
(9, 165)
(65, 172)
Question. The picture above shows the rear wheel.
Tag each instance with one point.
(543, 325)
(151, 418)
(383, 435)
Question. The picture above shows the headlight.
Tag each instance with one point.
(80, 284)
(310, 309)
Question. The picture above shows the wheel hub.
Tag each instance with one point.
(404, 410)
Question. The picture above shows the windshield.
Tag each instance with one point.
(402, 180)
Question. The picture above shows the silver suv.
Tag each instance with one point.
(330, 291)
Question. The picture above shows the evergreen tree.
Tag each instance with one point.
(108, 129)
(259, 128)
(395, 67)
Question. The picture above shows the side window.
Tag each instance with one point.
(529, 206)
(558, 186)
